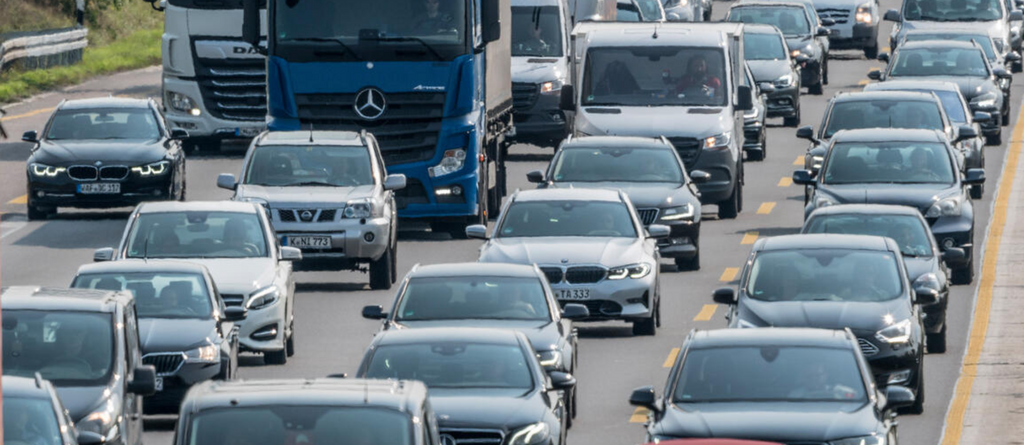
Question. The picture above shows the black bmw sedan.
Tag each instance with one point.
(779, 384)
(102, 153)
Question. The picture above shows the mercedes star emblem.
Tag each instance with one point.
(448, 439)
(370, 104)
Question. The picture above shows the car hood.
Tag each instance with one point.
(969, 86)
(81, 400)
(994, 28)
(239, 275)
(174, 334)
(797, 42)
(921, 196)
(111, 152)
(650, 121)
(502, 409)
(323, 196)
(643, 195)
(610, 252)
(769, 70)
(776, 421)
(543, 335)
(858, 316)
(538, 69)
(920, 266)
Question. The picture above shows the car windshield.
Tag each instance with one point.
(68, 348)
(883, 113)
(453, 365)
(157, 295)
(824, 275)
(616, 164)
(313, 165)
(952, 10)
(763, 46)
(197, 234)
(104, 123)
(30, 421)
(981, 39)
(567, 218)
(909, 232)
(290, 423)
(888, 162)
(650, 9)
(654, 75)
(769, 374)
(477, 297)
(626, 11)
(917, 62)
(536, 31)
(791, 20)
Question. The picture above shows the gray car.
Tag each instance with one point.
(235, 241)
(770, 62)
(327, 193)
(855, 24)
(592, 246)
(990, 16)
(650, 172)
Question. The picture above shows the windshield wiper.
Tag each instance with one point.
(406, 39)
(337, 40)
(310, 183)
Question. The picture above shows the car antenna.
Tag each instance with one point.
(311, 133)
(366, 393)
(655, 35)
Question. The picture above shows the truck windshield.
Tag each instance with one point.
(536, 31)
(654, 75)
(377, 30)
(285, 423)
(952, 10)
(314, 165)
(67, 348)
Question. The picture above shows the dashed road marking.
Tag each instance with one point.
(785, 182)
(766, 208)
(799, 160)
(749, 238)
(671, 360)
(639, 415)
(729, 274)
(706, 312)
(23, 199)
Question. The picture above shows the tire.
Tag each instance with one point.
(289, 345)
(276, 357)
(691, 263)
(1017, 67)
(646, 326)
(1006, 118)
(816, 90)
(977, 191)
(918, 406)
(381, 271)
(963, 274)
(995, 139)
(731, 207)
(872, 52)
(824, 70)
(38, 213)
(937, 342)
(394, 259)
(792, 121)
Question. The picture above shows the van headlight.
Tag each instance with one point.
(897, 333)
(263, 298)
(634, 271)
(203, 354)
(47, 170)
(718, 140)
(532, 434)
(864, 13)
(452, 162)
(154, 169)
(944, 207)
(359, 208)
(551, 87)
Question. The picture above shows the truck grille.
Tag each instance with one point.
(554, 274)
(584, 274)
(688, 149)
(867, 348)
(233, 89)
(472, 436)
(166, 363)
(83, 173)
(648, 216)
(407, 131)
(841, 16)
(232, 299)
(524, 95)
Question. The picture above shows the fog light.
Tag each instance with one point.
(634, 300)
(948, 243)
(442, 191)
(369, 237)
(457, 190)
(265, 333)
(40, 193)
(898, 377)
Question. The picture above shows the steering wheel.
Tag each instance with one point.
(250, 249)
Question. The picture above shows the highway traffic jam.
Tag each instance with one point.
(557, 170)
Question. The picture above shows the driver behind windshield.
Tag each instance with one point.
(697, 78)
(432, 20)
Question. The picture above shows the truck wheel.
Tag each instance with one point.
(381, 271)
(730, 208)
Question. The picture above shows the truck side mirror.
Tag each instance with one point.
(744, 98)
(567, 98)
(251, 22)
(490, 15)
(1016, 16)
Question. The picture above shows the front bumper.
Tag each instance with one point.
(626, 299)
(899, 362)
(784, 102)
(65, 192)
(682, 241)
(855, 36)
(348, 240)
(540, 122)
(263, 329)
(205, 125)
(177, 384)
(722, 165)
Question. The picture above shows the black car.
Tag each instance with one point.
(187, 333)
(755, 131)
(85, 342)
(804, 36)
(308, 411)
(650, 172)
(489, 295)
(921, 253)
(486, 385)
(33, 414)
(961, 62)
(770, 62)
(905, 167)
(794, 386)
(101, 153)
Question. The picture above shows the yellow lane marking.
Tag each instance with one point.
(749, 238)
(785, 182)
(864, 82)
(766, 208)
(729, 274)
(706, 313)
(29, 114)
(799, 160)
(983, 305)
(671, 360)
(23, 199)
(639, 416)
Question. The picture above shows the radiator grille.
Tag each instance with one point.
(585, 274)
(524, 95)
(165, 363)
(688, 149)
(233, 89)
(114, 172)
(83, 172)
(554, 274)
(648, 216)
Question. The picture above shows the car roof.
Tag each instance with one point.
(905, 85)
(760, 28)
(888, 135)
(770, 337)
(825, 241)
(615, 142)
(567, 194)
(942, 44)
(441, 334)
(861, 96)
(305, 138)
(25, 387)
(685, 34)
(866, 209)
(788, 4)
(401, 395)
(951, 28)
(473, 270)
(137, 265)
(197, 206)
(104, 102)
(52, 298)
(516, 3)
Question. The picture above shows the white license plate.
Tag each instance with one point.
(100, 188)
(159, 383)
(248, 131)
(573, 294)
(315, 242)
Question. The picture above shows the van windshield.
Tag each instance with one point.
(653, 76)
(67, 348)
(291, 424)
(536, 31)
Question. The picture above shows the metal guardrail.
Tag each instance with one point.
(43, 49)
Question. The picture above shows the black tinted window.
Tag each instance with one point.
(763, 47)
(939, 62)
(157, 295)
(453, 365)
(30, 422)
(889, 162)
(854, 115)
(567, 218)
(824, 275)
(455, 298)
(536, 31)
(313, 165)
(67, 348)
(654, 76)
(790, 20)
(911, 234)
(110, 123)
(615, 164)
(952, 10)
(300, 424)
(197, 235)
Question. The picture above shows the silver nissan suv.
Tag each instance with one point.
(328, 194)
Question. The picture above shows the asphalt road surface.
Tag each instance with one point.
(331, 335)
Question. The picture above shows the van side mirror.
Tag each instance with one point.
(966, 132)
(575, 311)
(891, 15)
(883, 57)
(561, 380)
(644, 397)
(567, 98)
(875, 74)
(490, 16)
(143, 381)
(744, 98)
(700, 176)
(30, 136)
(477, 231)
(227, 181)
(251, 23)
(803, 177)
(394, 182)
(103, 254)
(234, 313)
(898, 397)
(179, 134)
(724, 295)
(535, 177)
(1016, 16)
(374, 312)
(289, 253)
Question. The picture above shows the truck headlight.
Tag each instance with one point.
(552, 87)
(784, 82)
(677, 213)
(452, 162)
(984, 101)
(103, 420)
(154, 169)
(360, 208)
(634, 271)
(203, 354)
(550, 359)
(897, 333)
(864, 13)
(183, 103)
(718, 140)
(263, 298)
(944, 207)
(46, 170)
(532, 434)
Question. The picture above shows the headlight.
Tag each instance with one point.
(823, 201)
(551, 87)
(531, 434)
(866, 440)
(154, 169)
(794, 53)
(896, 333)
(550, 359)
(784, 82)
(987, 100)
(816, 161)
(1004, 84)
(183, 103)
(46, 170)
(633, 271)
(864, 13)
(103, 420)
(944, 207)
(751, 114)
(718, 140)
(360, 208)
(678, 213)
(203, 354)
(452, 162)
(263, 298)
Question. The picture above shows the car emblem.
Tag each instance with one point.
(565, 260)
(448, 439)
(370, 104)
(99, 163)
(306, 215)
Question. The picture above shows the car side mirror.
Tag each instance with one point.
(925, 296)
(227, 181)
(803, 177)
(966, 132)
(1002, 73)
(567, 98)
(289, 253)
(251, 23)
(234, 313)
(875, 74)
(883, 57)
(982, 117)
(490, 16)
(744, 98)
(374, 312)
(575, 311)
(658, 231)
(143, 381)
(1012, 57)
(806, 132)
(89, 438)
(827, 22)
(30, 136)
(724, 295)
(898, 397)
(766, 88)
(535, 177)
(477, 231)
(1016, 16)
(644, 397)
(823, 31)
(179, 134)
(891, 15)
(953, 255)
(561, 380)
(974, 176)
(103, 254)
(803, 58)
(394, 182)
(700, 176)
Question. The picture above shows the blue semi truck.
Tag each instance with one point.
(429, 78)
